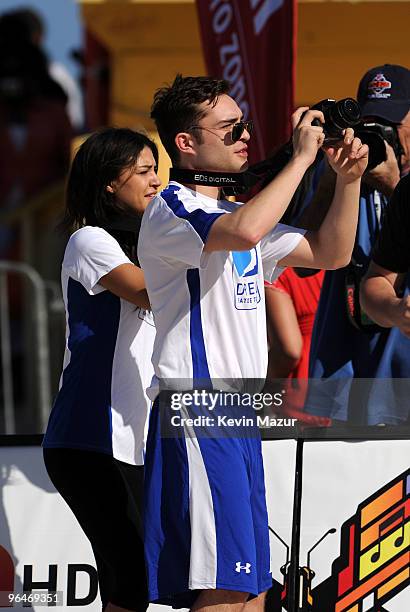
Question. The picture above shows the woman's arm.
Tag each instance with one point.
(127, 282)
(285, 339)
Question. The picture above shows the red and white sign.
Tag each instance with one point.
(252, 44)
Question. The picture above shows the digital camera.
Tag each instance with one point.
(338, 116)
(374, 135)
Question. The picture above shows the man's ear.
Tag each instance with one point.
(185, 142)
(110, 189)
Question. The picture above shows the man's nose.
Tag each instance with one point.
(245, 135)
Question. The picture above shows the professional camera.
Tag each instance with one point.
(346, 113)
(338, 116)
(374, 135)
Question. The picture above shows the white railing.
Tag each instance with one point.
(41, 354)
(41, 249)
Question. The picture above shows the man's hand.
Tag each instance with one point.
(349, 157)
(330, 247)
(307, 138)
(386, 175)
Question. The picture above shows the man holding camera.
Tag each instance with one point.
(204, 259)
(346, 343)
(382, 289)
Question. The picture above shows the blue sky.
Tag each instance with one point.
(64, 32)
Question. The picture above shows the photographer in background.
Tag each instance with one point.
(381, 291)
(346, 344)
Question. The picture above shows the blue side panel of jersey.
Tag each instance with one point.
(199, 360)
(81, 415)
(200, 220)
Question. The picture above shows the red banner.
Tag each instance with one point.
(252, 44)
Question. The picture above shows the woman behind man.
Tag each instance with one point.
(94, 443)
(291, 304)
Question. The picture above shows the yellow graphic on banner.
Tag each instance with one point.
(385, 550)
(374, 562)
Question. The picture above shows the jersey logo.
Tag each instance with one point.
(245, 262)
(239, 567)
(245, 279)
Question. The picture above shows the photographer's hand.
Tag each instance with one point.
(349, 157)
(386, 175)
(307, 138)
(331, 246)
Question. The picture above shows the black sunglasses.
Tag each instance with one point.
(236, 131)
(239, 128)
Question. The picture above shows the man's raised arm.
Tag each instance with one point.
(331, 246)
(247, 225)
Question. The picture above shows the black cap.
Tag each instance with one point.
(384, 92)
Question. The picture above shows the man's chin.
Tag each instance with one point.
(241, 167)
(229, 168)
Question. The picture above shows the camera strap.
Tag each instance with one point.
(233, 183)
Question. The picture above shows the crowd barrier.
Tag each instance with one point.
(40, 355)
(31, 312)
(353, 531)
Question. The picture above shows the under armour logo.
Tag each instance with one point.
(246, 567)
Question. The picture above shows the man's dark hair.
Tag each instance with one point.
(176, 107)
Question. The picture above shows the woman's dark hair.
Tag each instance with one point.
(98, 162)
(176, 107)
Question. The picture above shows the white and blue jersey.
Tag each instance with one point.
(205, 510)
(101, 404)
(209, 307)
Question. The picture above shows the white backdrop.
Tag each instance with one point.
(37, 529)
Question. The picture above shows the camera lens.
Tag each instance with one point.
(349, 110)
(343, 114)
